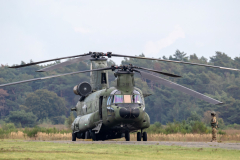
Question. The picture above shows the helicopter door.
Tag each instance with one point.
(100, 106)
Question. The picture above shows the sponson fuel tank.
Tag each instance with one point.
(82, 123)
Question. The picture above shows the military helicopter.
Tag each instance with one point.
(105, 112)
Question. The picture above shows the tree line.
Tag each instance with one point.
(53, 98)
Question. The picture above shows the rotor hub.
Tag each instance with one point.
(126, 68)
(97, 55)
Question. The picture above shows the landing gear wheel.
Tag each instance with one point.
(74, 136)
(87, 135)
(127, 136)
(139, 136)
(144, 136)
(94, 136)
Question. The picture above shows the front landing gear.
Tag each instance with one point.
(141, 135)
(144, 136)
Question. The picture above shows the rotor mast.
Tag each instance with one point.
(125, 81)
(99, 79)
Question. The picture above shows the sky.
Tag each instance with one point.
(46, 29)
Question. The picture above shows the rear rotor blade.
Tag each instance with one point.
(72, 61)
(178, 87)
(42, 78)
(30, 64)
(164, 60)
(164, 73)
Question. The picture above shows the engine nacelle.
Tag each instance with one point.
(83, 89)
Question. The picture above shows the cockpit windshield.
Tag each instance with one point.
(126, 99)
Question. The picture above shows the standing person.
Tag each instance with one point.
(214, 124)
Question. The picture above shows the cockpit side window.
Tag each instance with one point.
(136, 99)
(109, 100)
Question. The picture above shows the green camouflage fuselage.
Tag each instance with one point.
(89, 116)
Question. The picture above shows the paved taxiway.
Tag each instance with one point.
(184, 144)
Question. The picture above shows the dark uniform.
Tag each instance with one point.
(214, 124)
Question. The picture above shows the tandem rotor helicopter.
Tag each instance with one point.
(105, 112)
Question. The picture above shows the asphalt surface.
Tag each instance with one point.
(235, 146)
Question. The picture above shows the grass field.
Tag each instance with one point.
(232, 136)
(18, 149)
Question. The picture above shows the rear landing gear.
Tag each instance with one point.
(127, 136)
(93, 135)
(87, 135)
(74, 136)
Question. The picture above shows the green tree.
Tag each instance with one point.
(45, 104)
(194, 117)
(180, 56)
(69, 120)
(3, 108)
(22, 118)
(221, 59)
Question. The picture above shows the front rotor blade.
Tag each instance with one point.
(164, 73)
(164, 60)
(72, 61)
(42, 78)
(178, 87)
(30, 64)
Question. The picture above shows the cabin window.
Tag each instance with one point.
(126, 99)
(109, 100)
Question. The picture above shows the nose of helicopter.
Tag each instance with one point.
(129, 112)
